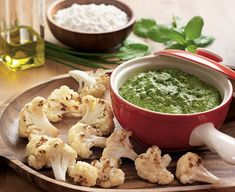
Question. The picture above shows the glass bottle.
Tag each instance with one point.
(21, 35)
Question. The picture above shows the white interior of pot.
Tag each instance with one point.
(125, 71)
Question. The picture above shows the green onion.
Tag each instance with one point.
(74, 58)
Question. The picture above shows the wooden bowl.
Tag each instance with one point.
(12, 150)
(103, 41)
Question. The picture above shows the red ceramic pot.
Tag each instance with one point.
(175, 131)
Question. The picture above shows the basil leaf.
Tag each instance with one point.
(193, 28)
(176, 46)
(163, 34)
(175, 36)
(156, 34)
(178, 24)
(133, 50)
(191, 48)
(204, 41)
(142, 26)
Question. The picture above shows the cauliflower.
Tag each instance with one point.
(82, 137)
(95, 83)
(165, 160)
(33, 120)
(109, 175)
(50, 152)
(151, 166)
(118, 145)
(83, 173)
(62, 101)
(190, 169)
(97, 113)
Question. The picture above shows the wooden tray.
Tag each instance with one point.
(12, 149)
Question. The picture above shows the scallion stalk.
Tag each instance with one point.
(74, 58)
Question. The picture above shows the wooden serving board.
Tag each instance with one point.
(12, 149)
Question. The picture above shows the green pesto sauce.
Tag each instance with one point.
(170, 91)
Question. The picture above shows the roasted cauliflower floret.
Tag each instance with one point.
(94, 83)
(109, 175)
(33, 120)
(50, 152)
(149, 166)
(97, 113)
(82, 137)
(83, 173)
(60, 102)
(166, 160)
(190, 169)
(118, 145)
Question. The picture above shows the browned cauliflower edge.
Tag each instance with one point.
(83, 173)
(62, 101)
(190, 169)
(151, 166)
(82, 137)
(94, 83)
(109, 175)
(118, 145)
(97, 113)
(44, 151)
(33, 120)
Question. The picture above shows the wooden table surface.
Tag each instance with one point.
(219, 18)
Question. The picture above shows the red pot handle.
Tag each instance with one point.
(200, 59)
(209, 55)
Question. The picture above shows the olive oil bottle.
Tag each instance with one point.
(21, 48)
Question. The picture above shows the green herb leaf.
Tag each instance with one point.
(204, 41)
(133, 50)
(193, 28)
(178, 24)
(142, 27)
(176, 46)
(191, 48)
(163, 34)
(155, 34)
(176, 36)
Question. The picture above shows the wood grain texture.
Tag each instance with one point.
(13, 149)
(219, 17)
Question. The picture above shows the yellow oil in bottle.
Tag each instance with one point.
(21, 48)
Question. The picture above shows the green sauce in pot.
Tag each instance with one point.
(170, 91)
